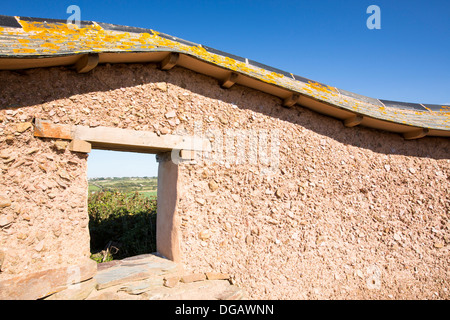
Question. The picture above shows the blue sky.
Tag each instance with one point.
(104, 163)
(408, 59)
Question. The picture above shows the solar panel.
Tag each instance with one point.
(43, 20)
(114, 27)
(438, 107)
(269, 68)
(224, 54)
(8, 21)
(403, 105)
(360, 97)
(188, 43)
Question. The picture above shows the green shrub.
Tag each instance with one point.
(123, 222)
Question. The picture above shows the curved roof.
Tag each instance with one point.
(35, 42)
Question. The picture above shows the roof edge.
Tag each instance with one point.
(39, 31)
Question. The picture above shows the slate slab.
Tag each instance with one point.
(44, 283)
(134, 269)
(79, 291)
(143, 286)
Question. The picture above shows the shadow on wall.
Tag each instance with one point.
(61, 82)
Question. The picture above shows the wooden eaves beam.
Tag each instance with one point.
(87, 62)
(291, 100)
(170, 61)
(416, 134)
(229, 81)
(353, 120)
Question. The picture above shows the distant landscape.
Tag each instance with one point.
(147, 186)
(122, 217)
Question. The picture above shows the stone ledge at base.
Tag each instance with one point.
(155, 290)
(150, 277)
(78, 291)
(141, 277)
(41, 284)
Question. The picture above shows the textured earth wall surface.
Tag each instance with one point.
(291, 203)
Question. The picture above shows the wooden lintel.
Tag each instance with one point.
(118, 139)
(107, 136)
(353, 121)
(416, 134)
(87, 62)
(47, 129)
(170, 61)
(229, 81)
(291, 100)
(80, 146)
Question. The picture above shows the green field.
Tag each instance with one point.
(145, 185)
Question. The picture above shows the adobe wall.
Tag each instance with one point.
(342, 213)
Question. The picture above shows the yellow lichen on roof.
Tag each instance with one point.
(46, 39)
(55, 36)
(24, 50)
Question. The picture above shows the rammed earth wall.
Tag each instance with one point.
(298, 207)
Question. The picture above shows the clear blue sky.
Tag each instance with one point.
(408, 59)
(104, 163)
